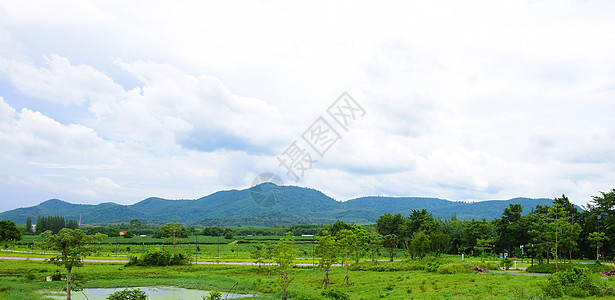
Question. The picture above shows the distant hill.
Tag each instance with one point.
(296, 205)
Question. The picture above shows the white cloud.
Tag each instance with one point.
(60, 82)
(473, 100)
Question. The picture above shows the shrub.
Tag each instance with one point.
(453, 269)
(213, 295)
(128, 294)
(335, 294)
(158, 257)
(575, 282)
(507, 263)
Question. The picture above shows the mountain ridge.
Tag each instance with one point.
(293, 205)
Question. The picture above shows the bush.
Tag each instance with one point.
(128, 294)
(432, 266)
(506, 263)
(213, 295)
(335, 294)
(575, 282)
(453, 268)
(158, 257)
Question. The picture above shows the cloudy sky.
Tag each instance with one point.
(464, 100)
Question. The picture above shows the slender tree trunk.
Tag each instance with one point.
(68, 281)
(269, 271)
(325, 281)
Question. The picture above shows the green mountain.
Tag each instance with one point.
(256, 207)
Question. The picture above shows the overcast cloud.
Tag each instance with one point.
(473, 100)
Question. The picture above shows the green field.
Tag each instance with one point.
(24, 280)
(402, 279)
(206, 247)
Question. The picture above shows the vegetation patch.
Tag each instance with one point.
(576, 282)
(158, 258)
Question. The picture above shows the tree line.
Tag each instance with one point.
(558, 230)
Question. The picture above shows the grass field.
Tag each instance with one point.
(22, 280)
(405, 279)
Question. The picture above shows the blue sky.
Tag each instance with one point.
(475, 100)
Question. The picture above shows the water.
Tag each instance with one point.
(154, 293)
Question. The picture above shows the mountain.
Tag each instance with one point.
(254, 207)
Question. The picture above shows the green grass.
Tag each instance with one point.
(26, 277)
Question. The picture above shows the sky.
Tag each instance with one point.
(117, 101)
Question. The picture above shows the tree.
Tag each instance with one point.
(268, 254)
(363, 238)
(73, 246)
(284, 256)
(228, 233)
(481, 245)
(347, 241)
(375, 241)
(597, 238)
(439, 242)
(135, 223)
(389, 224)
(173, 232)
(28, 225)
(420, 244)
(327, 252)
(258, 254)
(9, 232)
(511, 228)
(338, 226)
(390, 242)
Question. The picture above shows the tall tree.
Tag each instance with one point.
(389, 224)
(363, 238)
(375, 241)
(284, 256)
(347, 242)
(9, 232)
(73, 246)
(258, 253)
(29, 225)
(390, 242)
(326, 249)
(173, 232)
(268, 255)
(420, 244)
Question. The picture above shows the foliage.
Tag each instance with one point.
(389, 224)
(73, 246)
(390, 242)
(128, 294)
(506, 263)
(171, 230)
(284, 256)
(213, 295)
(228, 234)
(420, 244)
(9, 231)
(258, 253)
(54, 223)
(335, 294)
(158, 257)
(576, 282)
(453, 268)
(326, 249)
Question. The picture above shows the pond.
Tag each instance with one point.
(154, 293)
